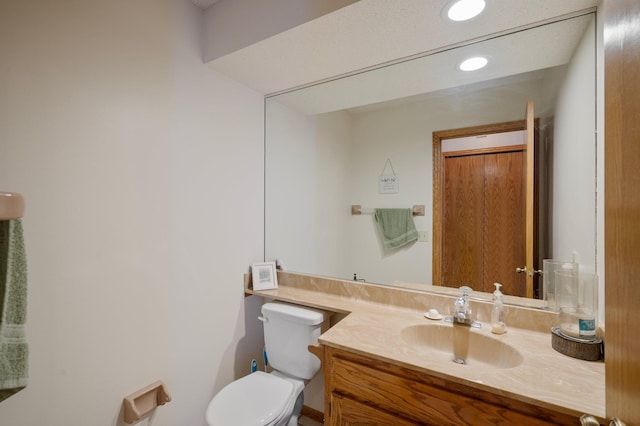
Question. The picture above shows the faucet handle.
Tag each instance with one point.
(462, 302)
(462, 314)
(466, 290)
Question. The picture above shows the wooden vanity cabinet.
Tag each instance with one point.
(363, 391)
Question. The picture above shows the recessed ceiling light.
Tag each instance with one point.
(473, 64)
(463, 10)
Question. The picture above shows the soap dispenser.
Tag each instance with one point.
(497, 313)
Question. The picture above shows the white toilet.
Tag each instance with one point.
(274, 399)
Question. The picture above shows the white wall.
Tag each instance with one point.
(577, 222)
(307, 200)
(574, 159)
(402, 135)
(218, 204)
(291, 197)
(141, 171)
(333, 149)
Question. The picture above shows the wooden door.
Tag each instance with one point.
(622, 208)
(483, 225)
(504, 226)
(462, 229)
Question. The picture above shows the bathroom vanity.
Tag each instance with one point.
(385, 363)
(360, 389)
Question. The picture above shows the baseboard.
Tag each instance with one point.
(313, 414)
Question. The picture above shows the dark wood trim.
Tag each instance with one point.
(481, 151)
(317, 350)
(312, 413)
(485, 129)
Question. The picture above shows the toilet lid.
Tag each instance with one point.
(256, 399)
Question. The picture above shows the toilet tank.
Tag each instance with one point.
(288, 331)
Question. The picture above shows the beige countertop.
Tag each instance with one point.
(377, 316)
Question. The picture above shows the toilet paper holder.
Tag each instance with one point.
(143, 401)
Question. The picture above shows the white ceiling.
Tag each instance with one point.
(524, 54)
(369, 33)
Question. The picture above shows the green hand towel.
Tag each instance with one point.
(13, 309)
(396, 227)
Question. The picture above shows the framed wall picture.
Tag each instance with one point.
(264, 276)
(388, 183)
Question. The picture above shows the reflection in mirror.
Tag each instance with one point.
(482, 197)
(327, 144)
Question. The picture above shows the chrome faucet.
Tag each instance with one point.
(462, 313)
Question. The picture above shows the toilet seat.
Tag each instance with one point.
(259, 399)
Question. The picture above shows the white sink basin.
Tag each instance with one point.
(464, 344)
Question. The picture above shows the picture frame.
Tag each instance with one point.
(388, 184)
(264, 276)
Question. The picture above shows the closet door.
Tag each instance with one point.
(504, 226)
(463, 216)
(483, 229)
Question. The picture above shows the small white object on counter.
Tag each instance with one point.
(433, 314)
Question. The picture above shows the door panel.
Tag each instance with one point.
(504, 225)
(463, 216)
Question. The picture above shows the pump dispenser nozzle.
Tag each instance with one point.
(497, 294)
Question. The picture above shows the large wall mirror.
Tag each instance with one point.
(327, 145)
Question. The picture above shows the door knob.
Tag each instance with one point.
(588, 420)
(528, 272)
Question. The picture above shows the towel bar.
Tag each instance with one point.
(143, 401)
(11, 205)
(416, 210)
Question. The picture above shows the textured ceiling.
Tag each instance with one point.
(523, 54)
(369, 33)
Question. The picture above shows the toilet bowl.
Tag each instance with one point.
(256, 399)
(276, 398)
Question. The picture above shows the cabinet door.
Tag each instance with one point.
(365, 391)
(348, 412)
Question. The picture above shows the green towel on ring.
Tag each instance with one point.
(13, 309)
(396, 227)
